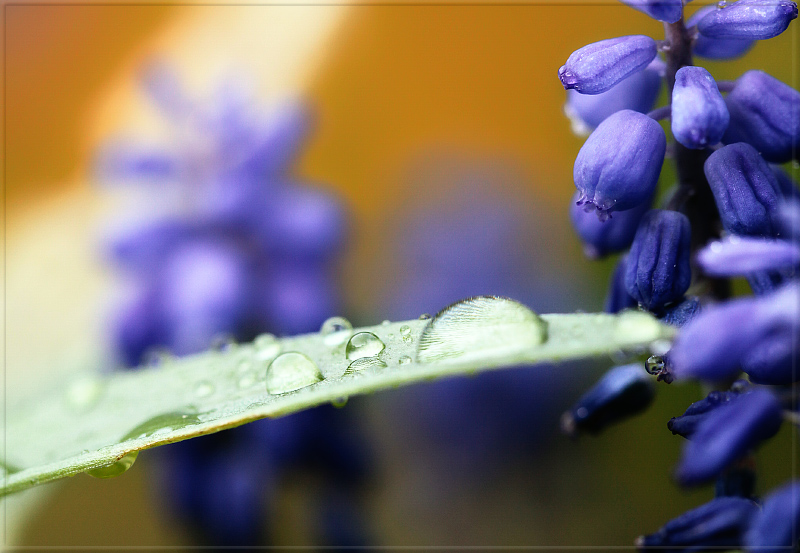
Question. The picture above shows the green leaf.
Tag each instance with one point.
(98, 423)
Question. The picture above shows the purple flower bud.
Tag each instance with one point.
(682, 313)
(597, 67)
(658, 269)
(618, 166)
(618, 297)
(765, 113)
(601, 238)
(714, 347)
(718, 524)
(637, 92)
(621, 392)
(745, 190)
(717, 48)
(748, 19)
(727, 433)
(699, 115)
(778, 523)
(686, 424)
(735, 256)
(669, 11)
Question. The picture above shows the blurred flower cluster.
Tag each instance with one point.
(231, 246)
(731, 214)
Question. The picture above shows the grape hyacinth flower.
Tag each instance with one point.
(238, 247)
(601, 238)
(730, 214)
(669, 11)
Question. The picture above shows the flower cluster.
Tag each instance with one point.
(232, 247)
(731, 214)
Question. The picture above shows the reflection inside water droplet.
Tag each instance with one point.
(364, 364)
(335, 331)
(116, 468)
(364, 344)
(291, 371)
(482, 326)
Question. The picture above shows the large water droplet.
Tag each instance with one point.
(267, 347)
(161, 424)
(364, 344)
(291, 371)
(335, 331)
(116, 468)
(478, 327)
(365, 363)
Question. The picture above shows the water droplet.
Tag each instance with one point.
(267, 347)
(84, 394)
(480, 327)
(335, 331)
(291, 371)
(654, 364)
(157, 357)
(408, 339)
(204, 388)
(116, 468)
(425, 317)
(364, 344)
(247, 380)
(174, 420)
(405, 330)
(339, 402)
(404, 360)
(386, 322)
(223, 342)
(365, 363)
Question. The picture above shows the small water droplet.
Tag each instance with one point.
(223, 342)
(335, 331)
(425, 317)
(116, 468)
(203, 388)
(404, 360)
(364, 344)
(481, 327)
(84, 394)
(654, 364)
(267, 347)
(405, 330)
(247, 380)
(365, 363)
(339, 402)
(156, 357)
(291, 371)
(386, 322)
(408, 339)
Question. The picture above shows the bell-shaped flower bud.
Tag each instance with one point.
(637, 92)
(699, 115)
(613, 235)
(737, 256)
(777, 526)
(621, 393)
(658, 270)
(727, 433)
(717, 48)
(760, 335)
(686, 424)
(618, 297)
(668, 11)
(718, 524)
(765, 113)
(748, 19)
(618, 166)
(745, 190)
(682, 313)
(597, 67)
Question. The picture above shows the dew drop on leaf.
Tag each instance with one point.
(404, 360)
(203, 389)
(84, 394)
(335, 331)
(483, 326)
(116, 468)
(291, 371)
(267, 346)
(174, 420)
(339, 402)
(425, 317)
(364, 344)
(405, 330)
(365, 363)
